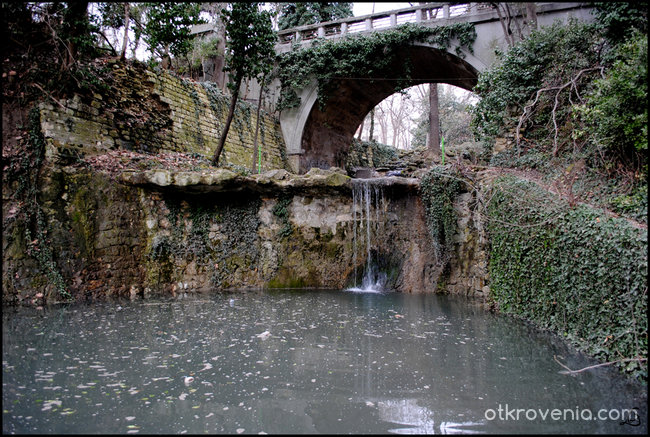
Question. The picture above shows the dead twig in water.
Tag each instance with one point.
(572, 372)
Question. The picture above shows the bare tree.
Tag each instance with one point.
(521, 16)
(125, 41)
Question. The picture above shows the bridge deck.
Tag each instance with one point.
(379, 21)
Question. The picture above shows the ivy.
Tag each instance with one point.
(217, 100)
(548, 57)
(281, 210)
(381, 154)
(191, 90)
(235, 246)
(35, 222)
(360, 56)
(438, 190)
(574, 271)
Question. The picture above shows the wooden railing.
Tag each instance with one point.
(380, 21)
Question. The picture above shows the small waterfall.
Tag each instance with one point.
(365, 197)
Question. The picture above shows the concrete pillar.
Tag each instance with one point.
(445, 11)
(418, 15)
(294, 163)
(344, 28)
(368, 23)
(393, 20)
(321, 32)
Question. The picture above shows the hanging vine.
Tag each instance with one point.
(360, 56)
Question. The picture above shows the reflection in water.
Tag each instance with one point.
(292, 362)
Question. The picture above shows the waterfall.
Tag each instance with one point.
(365, 197)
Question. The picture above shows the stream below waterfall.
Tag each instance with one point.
(300, 361)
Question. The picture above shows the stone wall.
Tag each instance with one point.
(149, 233)
(141, 232)
(468, 268)
(151, 112)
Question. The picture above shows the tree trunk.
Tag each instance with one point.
(372, 124)
(531, 15)
(126, 30)
(434, 120)
(502, 20)
(231, 112)
(256, 153)
(361, 129)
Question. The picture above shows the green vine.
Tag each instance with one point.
(438, 190)
(218, 100)
(360, 56)
(243, 113)
(191, 90)
(236, 245)
(36, 227)
(281, 210)
(240, 248)
(574, 271)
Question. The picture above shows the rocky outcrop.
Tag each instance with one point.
(161, 232)
(224, 180)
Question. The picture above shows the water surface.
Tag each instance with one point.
(321, 361)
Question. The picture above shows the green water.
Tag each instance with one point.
(323, 361)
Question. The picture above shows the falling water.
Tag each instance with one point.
(366, 196)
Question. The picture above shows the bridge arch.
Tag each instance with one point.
(339, 118)
(321, 136)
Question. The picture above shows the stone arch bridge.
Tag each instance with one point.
(317, 137)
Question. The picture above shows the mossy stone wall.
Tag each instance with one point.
(155, 111)
(112, 238)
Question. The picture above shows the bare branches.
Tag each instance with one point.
(506, 33)
(574, 88)
(49, 95)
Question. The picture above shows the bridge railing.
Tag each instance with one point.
(382, 20)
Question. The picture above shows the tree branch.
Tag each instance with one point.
(525, 116)
(49, 95)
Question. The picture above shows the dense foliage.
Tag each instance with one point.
(619, 20)
(616, 112)
(574, 96)
(360, 56)
(438, 190)
(547, 58)
(250, 45)
(167, 30)
(370, 154)
(575, 271)
(294, 14)
(586, 83)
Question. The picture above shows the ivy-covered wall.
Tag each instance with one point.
(576, 271)
(155, 111)
(457, 231)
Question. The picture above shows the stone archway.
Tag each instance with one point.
(321, 136)
(325, 133)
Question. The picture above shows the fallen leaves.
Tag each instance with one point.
(116, 161)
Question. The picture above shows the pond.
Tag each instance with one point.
(299, 361)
